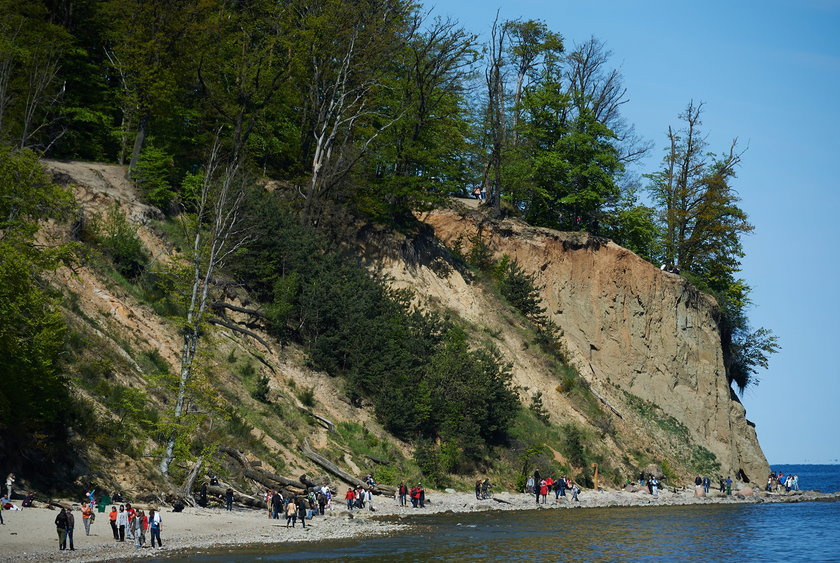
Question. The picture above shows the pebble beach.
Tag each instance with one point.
(30, 535)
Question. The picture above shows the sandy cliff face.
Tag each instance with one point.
(628, 327)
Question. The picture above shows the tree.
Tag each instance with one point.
(701, 225)
(34, 396)
(148, 44)
(347, 49)
(530, 41)
(496, 123)
(421, 157)
(30, 51)
(215, 235)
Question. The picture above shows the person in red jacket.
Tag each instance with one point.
(350, 496)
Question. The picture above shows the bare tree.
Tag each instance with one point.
(347, 69)
(594, 86)
(496, 123)
(216, 236)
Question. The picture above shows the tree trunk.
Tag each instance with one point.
(139, 139)
(341, 474)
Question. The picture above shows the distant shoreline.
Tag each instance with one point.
(30, 535)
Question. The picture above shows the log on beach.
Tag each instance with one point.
(341, 474)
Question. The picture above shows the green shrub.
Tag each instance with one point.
(262, 389)
(538, 408)
(153, 175)
(519, 288)
(117, 237)
(307, 397)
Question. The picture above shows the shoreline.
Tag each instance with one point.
(30, 535)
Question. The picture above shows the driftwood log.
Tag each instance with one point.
(262, 480)
(266, 478)
(340, 473)
(238, 496)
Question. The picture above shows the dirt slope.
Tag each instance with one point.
(627, 327)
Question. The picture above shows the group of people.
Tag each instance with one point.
(298, 507)
(777, 481)
(483, 489)
(416, 494)
(541, 488)
(360, 497)
(134, 523)
(651, 482)
(724, 485)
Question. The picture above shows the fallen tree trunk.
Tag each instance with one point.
(340, 473)
(327, 422)
(260, 475)
(263, 480)
(238, 497)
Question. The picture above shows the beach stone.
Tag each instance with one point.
(450, 491)
(699, 492)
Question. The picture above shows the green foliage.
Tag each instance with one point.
(538, 408)
(573, 445)
(117, 238)
(519, 288)
(417, 369)
(34, 399)
(306, 396)
(262, 390)
(153, 175)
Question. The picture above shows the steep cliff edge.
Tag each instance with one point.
(644, 342)
(631, 330)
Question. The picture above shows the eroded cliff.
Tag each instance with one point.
(631, 330)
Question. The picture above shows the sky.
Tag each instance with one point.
(768, 73)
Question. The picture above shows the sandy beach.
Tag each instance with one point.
(30, 535)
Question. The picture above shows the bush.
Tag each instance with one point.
(117, 237)
(519, 288)
(153, 176)
(261, 392)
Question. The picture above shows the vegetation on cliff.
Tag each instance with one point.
(359, 112)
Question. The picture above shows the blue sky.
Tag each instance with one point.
(768, 73)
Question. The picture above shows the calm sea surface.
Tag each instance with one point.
(781, 532)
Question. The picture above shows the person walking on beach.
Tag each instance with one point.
(301, 508)
(10, 483)
(61, 528)
(537, 479)
(276, 505)
(71, 523)
(137, 528)
(291, 512)
(229, 499)
(112, 518)
(543, 490)
(350, 496)
(122, 522)
(87, 512)
(575, 491)
(155, 525)
(403, 492)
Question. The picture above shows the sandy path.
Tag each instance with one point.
(30, 534)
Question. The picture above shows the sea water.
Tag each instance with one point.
(805, 531)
